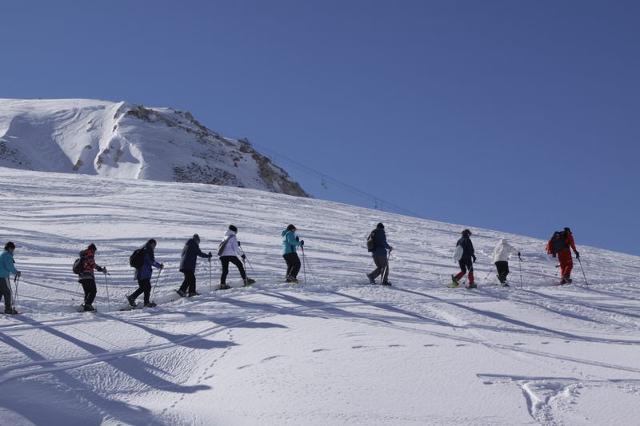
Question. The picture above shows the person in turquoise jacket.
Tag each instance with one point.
(7, 268)
(290, 244)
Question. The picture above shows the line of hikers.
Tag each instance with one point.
(230, 252)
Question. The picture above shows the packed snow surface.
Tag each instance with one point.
(332, 351)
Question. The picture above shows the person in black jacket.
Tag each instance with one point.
(379, 253)
(190, 255)
(466, 261)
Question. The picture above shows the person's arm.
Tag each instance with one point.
(473, 252)
(572, 244)
(9, 265)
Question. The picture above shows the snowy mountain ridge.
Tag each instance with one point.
(120, 140)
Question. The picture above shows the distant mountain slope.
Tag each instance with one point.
(116, 139)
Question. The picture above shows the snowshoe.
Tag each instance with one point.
(454, 283)
(249, 281)
(150, 305)
(132, 302)
(504, 284)
(11, 311)
(471, 286)
(224, 286)
(371, 280)
(193, 293)
(292, 280)
(88, 308)
(181, 293)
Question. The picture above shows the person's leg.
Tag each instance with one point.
(287, 258)
(239, 265)
(502, 274)
(376, 272)
(469, 265)
(463, 270)
(225, 269)
(385, 269)
(5, 291)
(192, 281)
(136, 293)
(185, 282)
(566, 264)
(296, 265)
(145, 286)
(90, 292)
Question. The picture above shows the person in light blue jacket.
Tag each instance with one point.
(7, 268)
(290, 244)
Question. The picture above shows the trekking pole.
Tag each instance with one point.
(16, 280)
(250, 266)
(210, 279)
(304, 268)
(153, 290)
(521, 281)
(583, 274)
(106, 284)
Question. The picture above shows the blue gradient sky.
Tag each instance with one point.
(520, 116)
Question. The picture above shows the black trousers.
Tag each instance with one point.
(144, 286)
(503, 270)
(225, 267)
(189, 283)
(382, 266)
(90, 290)
(293, 264)
(5, 291)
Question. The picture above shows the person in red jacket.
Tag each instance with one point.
(560, 245)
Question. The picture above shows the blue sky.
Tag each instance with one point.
(521, 116)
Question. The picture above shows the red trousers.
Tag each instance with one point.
(566, 263)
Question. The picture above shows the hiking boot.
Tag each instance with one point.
(11, 311)
(223, 286)
(371, 280)
(88, 308)
(132, 301)
(471, 286)
(193, 293)
(181, 293)
(150, 305)
(504, 284)
(292, 280)
(386, 283)
(249, 281)
(454, 282)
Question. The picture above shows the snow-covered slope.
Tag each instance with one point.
(335, 351)
(133, 142)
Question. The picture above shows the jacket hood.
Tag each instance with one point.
(285, 232)
(229, 233)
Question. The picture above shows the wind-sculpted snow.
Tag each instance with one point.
(332, 351)
(131, 142)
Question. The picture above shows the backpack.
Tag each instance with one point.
(457, 255)
(136, 260)
(371, 241)
(222, 246)
(78, 266)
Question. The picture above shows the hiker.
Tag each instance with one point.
(229, 251)
(377, 245)
(144, 273)
(190, 254)
(560, 246)
(501, 254)
(7, 268)
(466, 257)
(290, 244)
(87, 278)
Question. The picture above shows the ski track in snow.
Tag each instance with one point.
(332, 351)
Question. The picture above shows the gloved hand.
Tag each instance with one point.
(474, 258)
(301, 243)
(244, 257)
(577, 255)
(209, 255)
(18, 274)
(104, 271)
(390, 249)
(518, 254)
(162, 266)
(297, 238)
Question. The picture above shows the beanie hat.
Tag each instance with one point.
(196, 237)
(92, 247)
(466, 232)
(291, 228)
(233, 228)
(9, 246)
(380, 226)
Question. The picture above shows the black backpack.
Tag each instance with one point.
(559, 242)
(77, 265)
(371, 241)
(136, 260)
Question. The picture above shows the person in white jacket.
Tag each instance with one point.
(501, 255)
(229, 251)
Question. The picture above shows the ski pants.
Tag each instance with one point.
(189, 282)
(225, 260)
(503, 270)
(382, 267)
(5, 291)
(566, 263)
(90, 290)
(293, 264)
(144, 286)
(466, 264)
